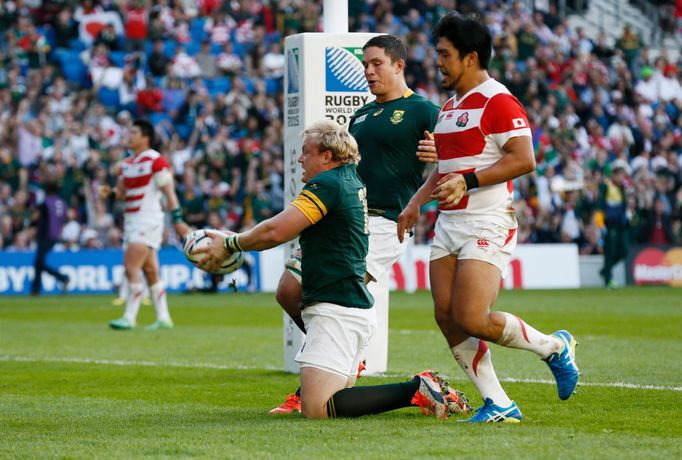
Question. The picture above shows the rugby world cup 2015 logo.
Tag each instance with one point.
(345, 72)
(293, 71)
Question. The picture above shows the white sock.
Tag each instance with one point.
(145, 289)
(133, 303)
(123, 289)
(518, 334)
(473, 356)
(158, 292)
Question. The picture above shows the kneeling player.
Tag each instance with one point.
(330, 215)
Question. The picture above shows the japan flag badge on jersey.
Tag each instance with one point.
(519, 122)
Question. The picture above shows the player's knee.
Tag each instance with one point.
(442, 317)
(473, 325)
(314, 410)
(150, 274)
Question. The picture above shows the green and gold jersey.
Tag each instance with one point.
(388, 135)
(334, 248)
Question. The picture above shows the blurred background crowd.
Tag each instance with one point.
(209, 75)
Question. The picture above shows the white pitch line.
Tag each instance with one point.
(119, 362)
(634, 386)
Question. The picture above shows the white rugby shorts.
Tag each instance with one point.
(335, 337)
(145, 232)
(489, 240)
(384, 247)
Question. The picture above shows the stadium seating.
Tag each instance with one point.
(273, 85)
(218, 86)
(73, 67)
(196, 30)
(109, 97)
(117, 58)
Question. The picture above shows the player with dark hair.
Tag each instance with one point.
(143, 178)
(330, 216)
(388, 130)
(483, 141)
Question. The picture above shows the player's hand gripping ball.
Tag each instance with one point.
(199, 239)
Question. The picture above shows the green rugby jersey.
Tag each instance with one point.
(334, 248)
(388, 135)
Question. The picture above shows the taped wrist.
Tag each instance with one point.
(232, 245)
(176, 215)
(471, 180)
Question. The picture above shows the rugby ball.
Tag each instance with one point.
(199, 239)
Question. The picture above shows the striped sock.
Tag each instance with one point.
(473, 356)
(133, 304)
(518, 334)
(158, 292)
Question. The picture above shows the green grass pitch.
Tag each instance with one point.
(72, 388)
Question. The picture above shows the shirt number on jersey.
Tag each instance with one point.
(362, 194)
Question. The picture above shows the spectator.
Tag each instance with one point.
(32, 48)
(229, 62)
(108, 38)
(657, 226)
(273, 62)
(630, 44)
(206, 61)
(647, 87)
(149, 98)
(593, 244)
(184, 65)
(65, 28)
(219, 27)
(157, 60)
(135, 23)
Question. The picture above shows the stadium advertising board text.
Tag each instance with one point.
(655, 265)
(101, 271)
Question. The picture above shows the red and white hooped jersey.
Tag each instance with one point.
(469, 137)
(143, 196)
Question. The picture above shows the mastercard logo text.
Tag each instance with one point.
(657, 266)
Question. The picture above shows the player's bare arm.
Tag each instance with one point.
(408, 218)
(120, 189)
(426, 150)
(272, 232)
(168, 189)
(518, 159)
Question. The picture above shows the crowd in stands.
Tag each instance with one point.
(209, 75)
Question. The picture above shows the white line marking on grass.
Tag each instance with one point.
(633, 386)
(120, 362)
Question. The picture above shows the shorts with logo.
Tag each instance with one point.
(384, 249)
(489, 240)
(143, 231)
(335, 337)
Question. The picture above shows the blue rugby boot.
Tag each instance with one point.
(490, 412)
(563, 365)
